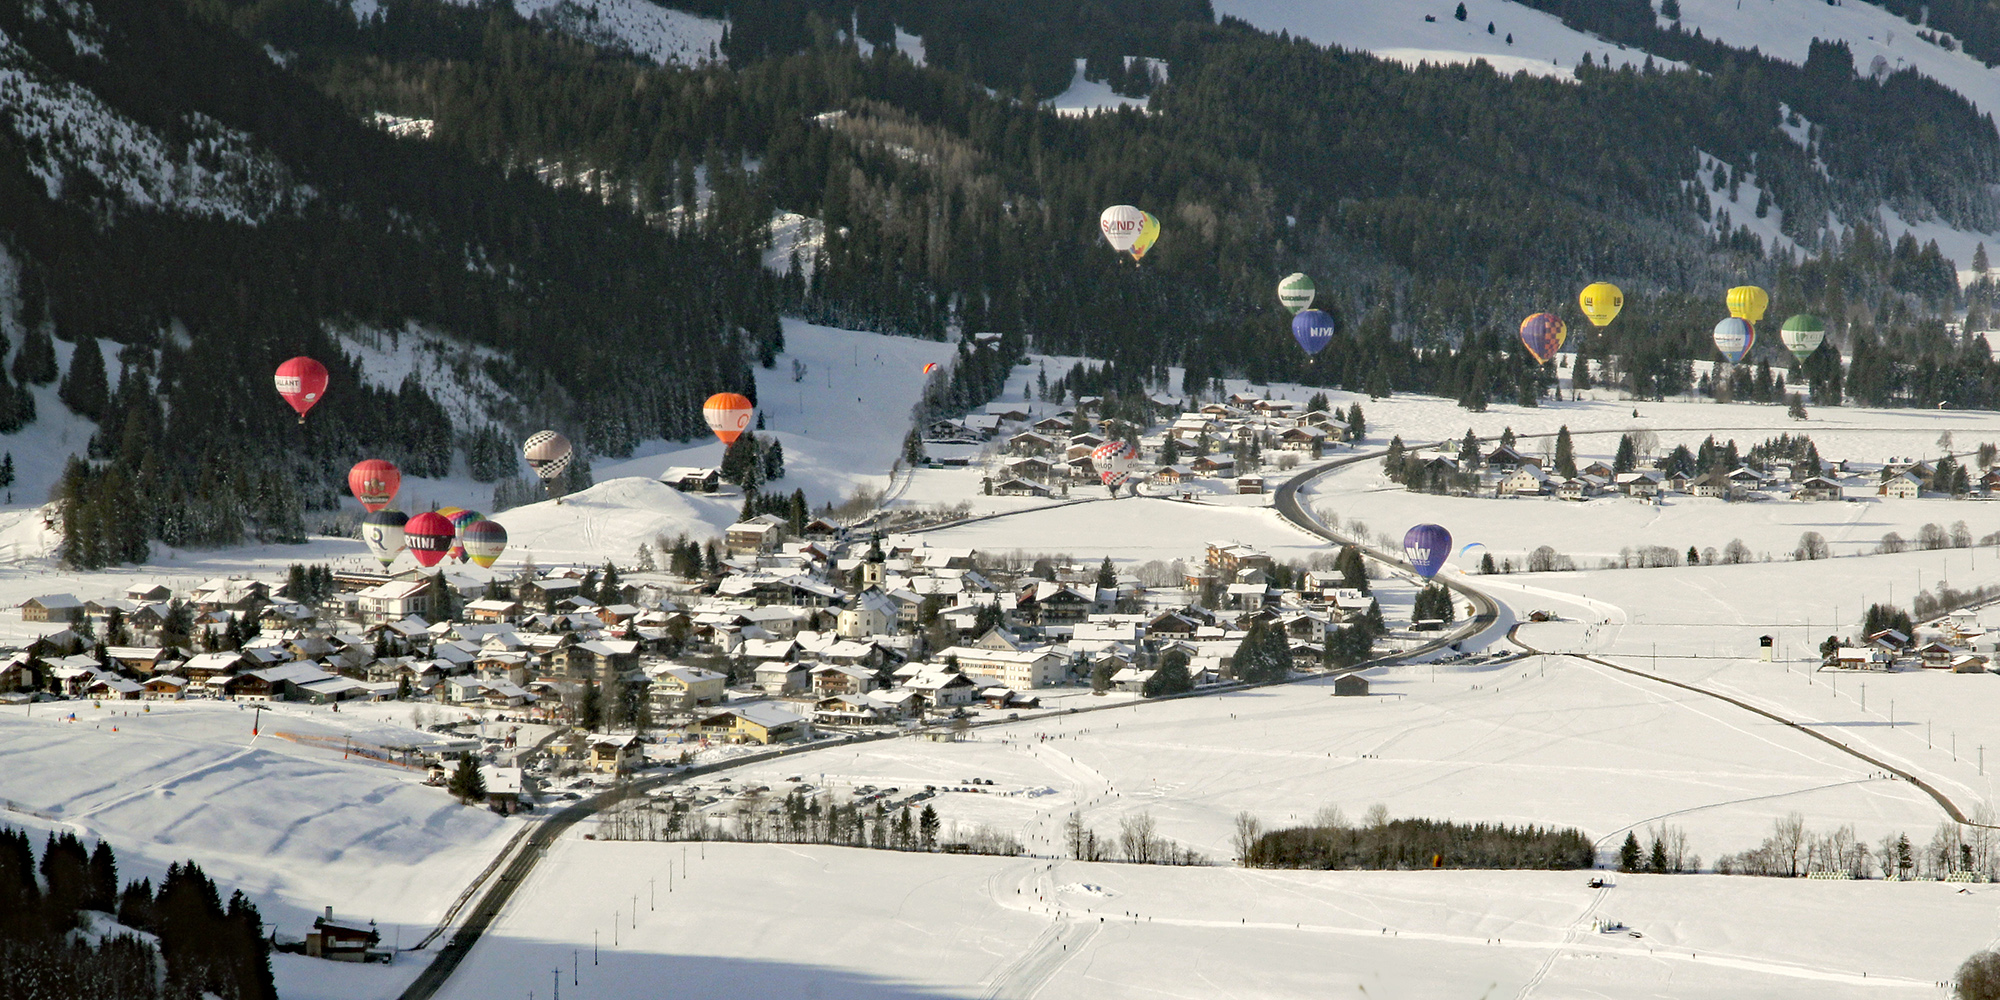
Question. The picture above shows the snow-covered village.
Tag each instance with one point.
(631, 498)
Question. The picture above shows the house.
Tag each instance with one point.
(1902, 486)
(1969, 663)
(1209, 465)
(1350, 685)
(52, 608)
(148, 593)
(778, 678)
(1525, 480)
(340, 941)
(1250, 485)
(1937, 655)
(204, 667)
(758, 536)
(847, 710)
(1306, 439)
(1017, 487)
(494, 610)
(1131, 680)
(1505, 459)
(163, 687)
(395, 601)
(1031, 443)
(1574, 489)
(756, 722)
(836, 679)
(549, 591)
(1818, 488)
(683, 689)
(599, 659)
(140, 660)
(692, 480)
(941, 690)
(1029, 468)
(1020, 669)
(616, 754)
(111, 687)
(1711, 484)
(1638, 484)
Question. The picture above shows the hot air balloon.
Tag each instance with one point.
(1296, 292)
(548, 454)
(383, 531)
(1748, 302)
(929, 368)
(1543, 335)
(1427, 546)
(1149, 234)
(1113, 462)
(1802, 335)
(302, 381)
(1601, 302)
(728, 415)
(374, 482)
(1314, 330)
(461, 520)
(428, 536)
(1734, 337)
(1121, 225)
(483, 541)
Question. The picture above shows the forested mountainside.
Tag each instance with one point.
(200, 183)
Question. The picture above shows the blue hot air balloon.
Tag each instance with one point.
(1313, 330)
(1734, 337)
(1427, 546)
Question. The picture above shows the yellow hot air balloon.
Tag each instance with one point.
(1601, 302)
(1747, 302)
(1149, 233)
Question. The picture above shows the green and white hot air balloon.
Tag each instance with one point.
(1802, 335)
(1296, 292)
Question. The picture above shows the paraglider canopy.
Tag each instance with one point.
(1543, 335)
(1427, 546)
(1296, 292)
(428, 536)
(302, 381)
(1734, 337)
(1802, 335)
(1121, 225)
(1748, 302)
(931, 367)
(374, 482)
(483, 541)
(728, 415)
(1314, 330)
(382, 530)
(1601, 302)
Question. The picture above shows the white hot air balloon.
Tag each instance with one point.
(1121, 225)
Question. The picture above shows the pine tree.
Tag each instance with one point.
(85, 389)
(1656, 860)
(1460, 13)
(36, 362)
(608, 588)
(774, 461)
(1565, 459)
(1107, 578)
(1629, 853)
(1627, 458)
(466, 782)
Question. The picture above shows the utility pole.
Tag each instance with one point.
(555, 977)
(1864, 696)
(635, 911)
(653, 894)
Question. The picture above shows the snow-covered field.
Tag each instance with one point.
(1541, 45)
(772, 921)
(289, 821)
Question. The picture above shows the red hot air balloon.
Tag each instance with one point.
(428, 536)
(302, 381)
(728, 415)
(374, 483)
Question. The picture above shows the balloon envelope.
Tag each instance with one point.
(728, 415)
(1314, 330)
(1802, 335)
(547, 453)
(1543, 335)
(1734, 337)
(1149, 234)
(1748, 302)
(1113, 462)
(461, 520)
(302, 381)
(1601, 302)
(1121, 225)
(1427, 546)
(428, 536)
(383, 531)
(483, 541)
(374, 482)
(1296, 292)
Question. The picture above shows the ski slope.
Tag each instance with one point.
(1396, 30)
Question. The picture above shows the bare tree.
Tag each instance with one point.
(1930, 538)
(1891, 544)
(1376, 816)
(1736, 552)
(1329, 817)
(1812, 545)
(1138, 837)
(1788, 839)
(1248, 829)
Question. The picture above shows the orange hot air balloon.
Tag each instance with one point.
(728, 415)
(374, 483)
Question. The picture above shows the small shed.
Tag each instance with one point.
(1350, 685)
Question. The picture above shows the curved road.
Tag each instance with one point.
(1289, 507)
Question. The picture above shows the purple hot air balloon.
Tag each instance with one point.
(1427, 546)
(1313, 330)
(1543, 334)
